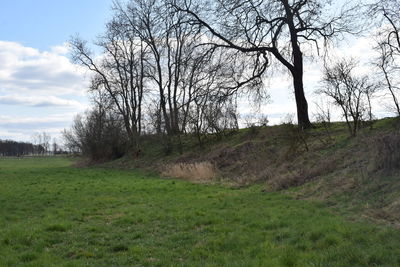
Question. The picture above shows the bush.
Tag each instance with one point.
(99, 135)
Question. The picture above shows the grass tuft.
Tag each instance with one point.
(119, 248)
(56, 228)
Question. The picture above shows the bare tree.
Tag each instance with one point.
(42, 142)
(388, 45)
(149, 21)
(387, 66)
(350, 92)
(55, 146)
(46, 138)
(388, 15)
(272, 29)
(75, 136)
(119, 74)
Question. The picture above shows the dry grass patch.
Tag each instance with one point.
(385, 151)
(198, 171)
(303, 169)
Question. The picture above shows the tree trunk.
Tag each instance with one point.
(297, 70)
(301, 102)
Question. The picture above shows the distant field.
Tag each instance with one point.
(52, 214)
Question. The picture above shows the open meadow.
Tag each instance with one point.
(54, 214)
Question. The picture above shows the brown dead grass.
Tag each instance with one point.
(197, 172)
(385, 150)
(303, 169)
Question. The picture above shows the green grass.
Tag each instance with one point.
(52, 214)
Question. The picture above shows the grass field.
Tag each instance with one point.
(52, 214)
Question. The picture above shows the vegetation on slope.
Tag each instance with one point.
(358, 173)
(52, 214)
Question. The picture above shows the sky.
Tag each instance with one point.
(42, 90)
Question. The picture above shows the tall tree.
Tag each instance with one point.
(277, 29)
(386, 64)
(119, 74)
(387, 13)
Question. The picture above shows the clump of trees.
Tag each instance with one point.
(172, 67)
(157, 76)
(99, 134)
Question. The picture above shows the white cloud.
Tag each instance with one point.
(23, 127)
(39, 101)
(35, 120)
(60, 49)
(39, 90)
(28, 70)
(14, 135)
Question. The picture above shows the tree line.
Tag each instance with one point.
(41, 145)
(173, 67)
(9, 148)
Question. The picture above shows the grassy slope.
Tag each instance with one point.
(337, 169)
(54, 214)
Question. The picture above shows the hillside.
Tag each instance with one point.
(358, 175)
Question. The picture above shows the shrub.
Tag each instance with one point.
(98, 134)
